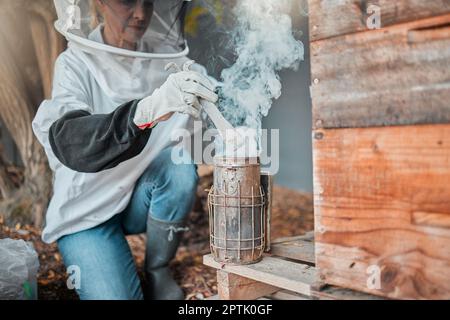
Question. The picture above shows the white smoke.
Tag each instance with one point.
(264, 45)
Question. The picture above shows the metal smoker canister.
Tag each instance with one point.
(236, 207)
(267, 187)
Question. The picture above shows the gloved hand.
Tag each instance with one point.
(179, 93)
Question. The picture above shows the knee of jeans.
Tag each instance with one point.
(182, 172)
(165, 173)
(184, 179)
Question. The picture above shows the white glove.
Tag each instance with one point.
(179, 93)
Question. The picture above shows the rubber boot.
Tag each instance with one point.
(163, 239)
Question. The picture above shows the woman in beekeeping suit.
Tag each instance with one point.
(107, 134)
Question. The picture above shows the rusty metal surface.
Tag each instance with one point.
(237, 211)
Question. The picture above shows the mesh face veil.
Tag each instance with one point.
(124, 72)
(158, 23)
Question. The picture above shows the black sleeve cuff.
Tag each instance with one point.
(91, 143)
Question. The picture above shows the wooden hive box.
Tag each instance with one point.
(381, 140)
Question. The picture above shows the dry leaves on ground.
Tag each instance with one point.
(292, 214)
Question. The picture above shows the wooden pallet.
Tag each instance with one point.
(287, 273)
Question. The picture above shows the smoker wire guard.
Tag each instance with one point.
(261, 206)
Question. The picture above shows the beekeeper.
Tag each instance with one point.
(107, 134)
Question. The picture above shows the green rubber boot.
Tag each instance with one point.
(163, 239)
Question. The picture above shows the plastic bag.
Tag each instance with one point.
(19, 265)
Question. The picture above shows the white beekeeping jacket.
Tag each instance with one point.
(86, 79)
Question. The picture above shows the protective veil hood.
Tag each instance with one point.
(124, 74)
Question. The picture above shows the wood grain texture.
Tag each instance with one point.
(30, 45)
(331, 18)
(276, 272)
(394, 76)
(336, 293)
(287, 295)
(234, 287)
(382, 198)
(299, 248)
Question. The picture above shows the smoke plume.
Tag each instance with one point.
(264, 44)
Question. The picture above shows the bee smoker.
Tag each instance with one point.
(239, 210)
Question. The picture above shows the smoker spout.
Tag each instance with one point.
(216, 117)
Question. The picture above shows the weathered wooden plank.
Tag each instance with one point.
(234, 287)
(328, 293)
(331, 18)
(298, 249)
(336, 293)
(309, 236)
(288, 295)
(382, 203)
(279, 295)
(382, 78)
(280, 273)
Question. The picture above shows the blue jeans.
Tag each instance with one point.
(165, 191)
